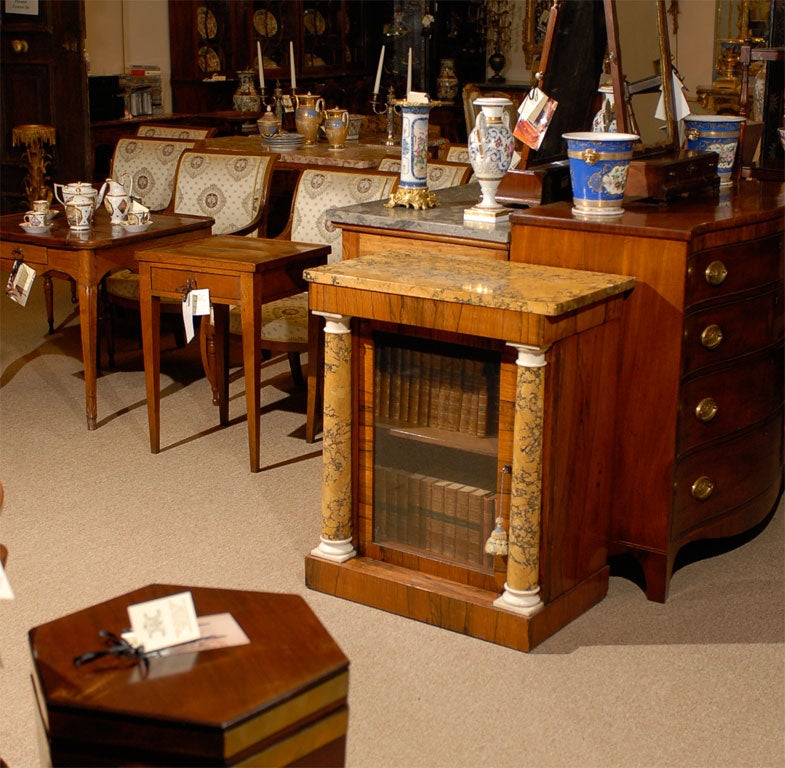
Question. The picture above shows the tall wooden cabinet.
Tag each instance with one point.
(219, 37)
(699, 447)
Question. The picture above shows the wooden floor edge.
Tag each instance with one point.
(439, 602)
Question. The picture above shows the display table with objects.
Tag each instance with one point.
(463, 395)
(372, 227)
(699, 454)
(86, 256)
(279, 699)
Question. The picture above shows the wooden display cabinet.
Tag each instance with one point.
(457, 390)
(700, 452)
(219, 37)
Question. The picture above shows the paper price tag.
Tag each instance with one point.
(164, 622)
(19, 283)
(196, 302)
(5, 586)
(535, 114)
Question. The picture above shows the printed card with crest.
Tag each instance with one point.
(164, 622)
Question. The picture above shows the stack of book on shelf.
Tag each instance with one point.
(434, 390)
(447, 519)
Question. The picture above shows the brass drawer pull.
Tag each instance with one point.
(716, 273)
(702, 488)
(711, 337)
(706, 409)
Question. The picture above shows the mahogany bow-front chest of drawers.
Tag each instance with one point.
(699, 411)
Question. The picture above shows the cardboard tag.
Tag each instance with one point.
(535, 114)
(6, 592)
(681, 107)
(164, 622)
(19, 283)
(195, 302)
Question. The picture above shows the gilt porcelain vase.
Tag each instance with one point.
(491, 147)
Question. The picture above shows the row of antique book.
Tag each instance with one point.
(447, 519)
(428, 389)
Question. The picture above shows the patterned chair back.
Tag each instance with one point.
(457, 153)
(183, 132)
(321, 189)
(441, 173)
(232, 188)
(152, 164)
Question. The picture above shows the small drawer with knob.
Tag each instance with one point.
(721, 333)
(713, 481)
(714, 405)
(718, 273)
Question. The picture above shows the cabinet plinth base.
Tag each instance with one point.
(449, 605)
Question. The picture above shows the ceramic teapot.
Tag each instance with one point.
(79, 210)
(117, 197)
(308, 115)
(64, 192)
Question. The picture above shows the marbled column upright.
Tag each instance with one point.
(523, 560)
(336, 539)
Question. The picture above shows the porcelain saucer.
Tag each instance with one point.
(135, 229)
(36, 230)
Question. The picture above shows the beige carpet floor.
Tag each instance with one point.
(698, 682)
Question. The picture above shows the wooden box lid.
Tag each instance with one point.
(214, 707)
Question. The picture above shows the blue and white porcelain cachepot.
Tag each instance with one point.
(491, 147)
(599, 163)
(715, 133)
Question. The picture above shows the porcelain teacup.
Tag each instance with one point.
(35, 219)
(41, 206)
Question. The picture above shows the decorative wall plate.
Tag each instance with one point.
(206, 23)
(314, 22)
(265, 23)
(209, 60)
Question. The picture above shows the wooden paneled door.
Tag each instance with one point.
(43, 80)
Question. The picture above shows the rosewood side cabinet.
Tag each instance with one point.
(698, 451)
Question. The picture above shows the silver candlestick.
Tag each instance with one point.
(389, 108)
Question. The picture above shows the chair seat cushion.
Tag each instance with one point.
(285, 320)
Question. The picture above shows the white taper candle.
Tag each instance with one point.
(379, 72)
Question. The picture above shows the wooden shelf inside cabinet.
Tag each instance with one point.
(484, 445)
(411, 539)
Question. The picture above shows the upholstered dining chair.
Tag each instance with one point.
(152, 164)
(441, 173)
(182, 132)
(287, 326)
(230, 187)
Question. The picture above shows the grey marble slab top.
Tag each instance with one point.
(444, 219)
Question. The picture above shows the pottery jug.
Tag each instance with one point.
(308, 116)
(64, 192)
(117, 197)
(336, 127)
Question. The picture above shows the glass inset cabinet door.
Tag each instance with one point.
(436, 417)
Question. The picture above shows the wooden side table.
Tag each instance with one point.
(279, 700)
(242, 271)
